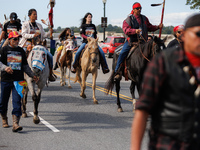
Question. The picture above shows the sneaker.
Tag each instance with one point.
(73, 70)
(105, 71)
(51, 78)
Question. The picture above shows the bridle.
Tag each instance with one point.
(148, 47)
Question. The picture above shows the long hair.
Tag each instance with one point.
(83, 21)
(31, 11)
(63, 33)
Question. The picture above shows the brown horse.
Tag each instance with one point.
(66, 60)
(89, 63)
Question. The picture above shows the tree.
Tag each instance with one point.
(195, 4)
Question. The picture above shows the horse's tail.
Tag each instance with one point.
(109, 83)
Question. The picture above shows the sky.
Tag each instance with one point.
(68, 13)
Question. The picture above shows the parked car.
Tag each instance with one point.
(110, 44)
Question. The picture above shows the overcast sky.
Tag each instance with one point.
(68, 13)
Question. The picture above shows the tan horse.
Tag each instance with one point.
(65, 61)
(89, 63)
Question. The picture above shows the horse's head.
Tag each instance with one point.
(38, 58)
(93, 49)
(159, 44)
(69, 44)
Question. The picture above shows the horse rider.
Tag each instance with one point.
(12, 25)
(12, 72)
(64, 35)
(171, 96)
(88, 30)
(178, 31)
(31, 32)
(134, 24)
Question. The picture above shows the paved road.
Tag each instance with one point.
(72, 123)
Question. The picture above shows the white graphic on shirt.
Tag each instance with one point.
(14, 61)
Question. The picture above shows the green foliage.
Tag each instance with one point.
(195, 4)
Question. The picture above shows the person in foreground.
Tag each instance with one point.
(13, 66)
(171, 96)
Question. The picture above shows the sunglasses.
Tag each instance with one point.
(15, 39)
(179, 32)
(197, 33)
(139, 8)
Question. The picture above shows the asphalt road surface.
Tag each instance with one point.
(69, 122)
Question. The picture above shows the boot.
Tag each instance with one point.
(4, 121)
(56, 66)
(16, 126)
(105, 69)
(51, 77)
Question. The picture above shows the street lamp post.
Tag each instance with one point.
(104, 10)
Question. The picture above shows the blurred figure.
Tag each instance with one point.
(12, 25)
(178, 31)
(171, 96)
(149, 38)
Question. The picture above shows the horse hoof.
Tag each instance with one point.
(62, 84)
(83, 95)
(96, 102)
(36, 120)
(70, 87)
(24, 115)
(120, 110)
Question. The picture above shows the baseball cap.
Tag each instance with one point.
(13, 16)
(193, 21)
(13, 34)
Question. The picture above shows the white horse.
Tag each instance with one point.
(65, 61)
(37, 60)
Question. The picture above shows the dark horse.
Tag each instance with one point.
(136, 64)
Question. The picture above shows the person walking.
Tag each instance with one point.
(134, 25)
(178, 30)
(31, 33)
(88, 30)
(12, 25)
(14, 64)
(171, 96)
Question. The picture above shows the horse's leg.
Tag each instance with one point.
(117, 84)
(69, 85)
(132, 90)
(94, 77)
(24, 102)
(64, 75)
(36, 119)
(83, 85)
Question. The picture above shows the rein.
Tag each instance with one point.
(141, 49)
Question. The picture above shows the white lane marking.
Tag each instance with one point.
(46, 123)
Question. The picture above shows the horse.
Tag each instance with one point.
(136, 63)
(37, 61)
(66, 60)
(89, 63)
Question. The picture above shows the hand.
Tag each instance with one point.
(160, 26)
(137, 31)
(35, 78)
(9, 70)
(36, 34)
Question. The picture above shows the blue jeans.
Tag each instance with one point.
(124, 52)
(80, 50)
(2, 42)
(50, 59)
(6, 88)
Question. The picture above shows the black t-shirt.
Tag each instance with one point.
(9, 27)
(88, 30)
(173, 43)
(33, 29)
(15, 58)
